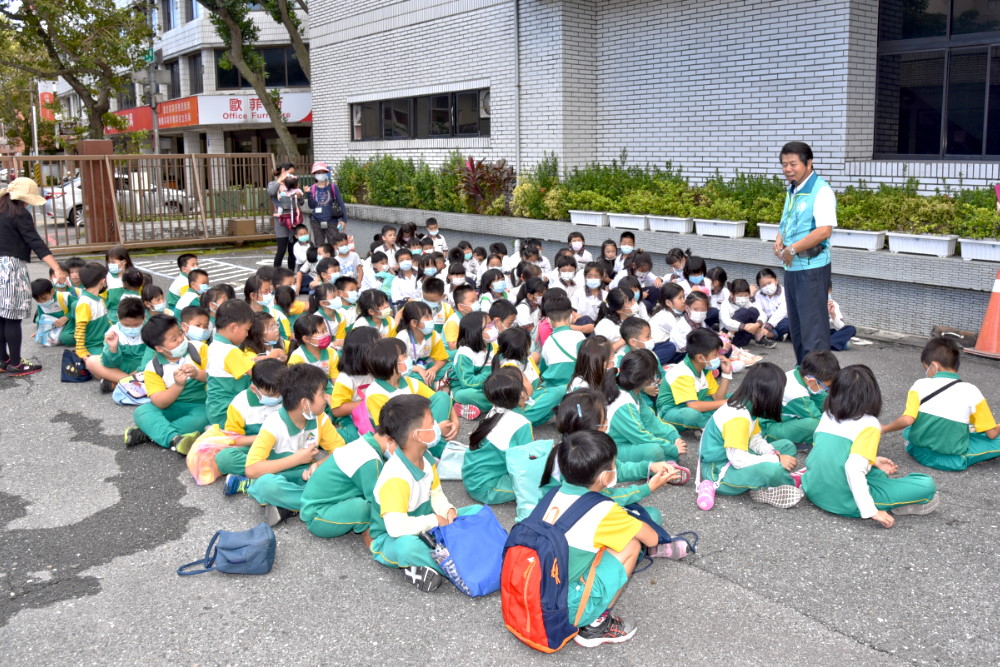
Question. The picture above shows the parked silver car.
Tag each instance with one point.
(64, 203)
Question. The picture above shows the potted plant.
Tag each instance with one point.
(629, 213)
(589, 208)
(922, 227)
(768, 231)
(719, 216)
(669, 209)
(979, 230)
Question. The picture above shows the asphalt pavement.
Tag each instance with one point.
(92, 535)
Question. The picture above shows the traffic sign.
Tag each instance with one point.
(148, 56)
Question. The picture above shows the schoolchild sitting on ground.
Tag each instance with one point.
(736, 456)
(466, 302)
(408, 498)
(244, 418)
(846, 476)
(53, 314)
(740, 319)
(432, 293)
(389, 365)
(940, 410)
(558, 359)
(124, 351)
(770, 298)
(638, 432)
(215, 297)
(352, 380)
(618, 306)
(259, 293)
(841, 333)
(471, 364)
(186, 263)
(424, 345)
(197, 285)
(691, 393)
(695, 313)
(196, 324)
(91, 313)
(374, 311)
(117, 261)
(175, 384)
(281, 310)
(228, 367)
(264, 339)
(802, 405)
(529, 303)
(586, 462)
(668, 311)
(484, 469)
(280, 458)
(514, 349)
(154, 301)
(312, 345)
(325, 303)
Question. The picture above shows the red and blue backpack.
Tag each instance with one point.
(533, 580)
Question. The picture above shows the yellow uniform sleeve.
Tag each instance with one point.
(236, 363)
(329, 438)
(234, 421)
(866, 444)
(341, 394)
(261, 447)
(334, 363)
(374, 403)
(154, 383)
(436, 481)
(438, 351)
(683, 390)
(297, 308)
(912, 404)
(394, 496)
(451, 332)
(616, 529)
(982, 419)
(83, 316)
(203, 353)
(419, 388)
(713, 386)
(342, 328)
(295, 358)
(736, 434)
(391, 324)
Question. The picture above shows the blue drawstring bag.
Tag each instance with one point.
(74, 369)
(475, 543)
(240, 552)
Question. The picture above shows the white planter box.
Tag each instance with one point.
(855, 238)
(627, 221)
(987, 250)
(920, 244)
(728, 228)
(666, 223)
(588, 218)
(768, 231)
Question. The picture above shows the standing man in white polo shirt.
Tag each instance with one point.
(803, 245)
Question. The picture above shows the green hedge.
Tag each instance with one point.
(463, 185)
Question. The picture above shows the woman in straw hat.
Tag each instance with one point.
(18, 237)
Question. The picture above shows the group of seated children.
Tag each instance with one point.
(391, 351)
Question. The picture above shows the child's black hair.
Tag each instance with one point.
(194, 274)
(255, 337)
(306, 325)
(382, 357)
(323, 292)
(342, 282)
(702, 341)
(371, 299)
(150, 292)
(668, 293)
(530, 286)
(470, 331)
(92, 274)
(40, 288)
(301, 381)
(821, 364)
(717, 274)
(253, 285)
(75, 263)
(637, 370)
(581, 410)
(266, 273)
(761, 391)
(584, 455)
(558, 309)
(119, 252)
(461, 292)
(501, 309)
(378, 256)
(498, 248)
(943, 350)
(403, 253)
(592, 367)
(155, 329)
(407, 229)
(488, 278)
(632, 327)
(413, 310)
(700, 297)
(352, 355)
(131, 308)
(765, 273)
(184, 258)
(215, 294)
(284, 297)
(513, 344)
(134, 279)
(433, 286)
(430, 221)
(281, 274)
(738, 286)
(291, 181)
(854, 394)
(267, 375)
(326, 265)
(233, 311)
(675, 255)
(455, 257)
(694, 265)
(402, 415)
(503, 388)
(626, 235)
(613, 303)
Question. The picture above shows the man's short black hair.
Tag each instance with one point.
(799, 148)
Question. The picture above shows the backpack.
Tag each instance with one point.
(534, 578)
(74, 369)
(241, 552)
(335, 211)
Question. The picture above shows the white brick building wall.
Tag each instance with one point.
(706, 85)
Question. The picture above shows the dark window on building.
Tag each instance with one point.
(192, 9)
(296, 75)
(938, 78)
(281, 68)
(196, 74)
(462, 114)
(127, 97)
(168, 14)
(174, 88)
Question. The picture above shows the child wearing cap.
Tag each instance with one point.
(329, 215)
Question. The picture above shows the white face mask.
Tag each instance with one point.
(458, 281)
(698, 316)
(649, 344)
(577, 245)
(742, 301)
(566, 276)
(614, 477)
(769, 289)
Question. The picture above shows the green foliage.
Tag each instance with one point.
(528, 201)
(974, 222)
(589, 200)
(546, 172)
(557, 203)
(481, 183)
(351, 181)
(446, 187)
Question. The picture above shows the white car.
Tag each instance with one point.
(64, 203)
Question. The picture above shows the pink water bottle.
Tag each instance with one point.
(706, 495)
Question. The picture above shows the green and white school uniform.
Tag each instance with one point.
(427, 352)
(113, 296)
(684, 383)
(800, 413)
(638, 432)
(189, 298)
(528, 367)
(327, 361)
(130, 355)
(91, 315)
(244, 416)
(484, 470)
(736, 456)
(939, 437)
(228, 374)
(348, 389)
(648, 400)
(187, 413)
(280, 437)
(469, 371)
(557, 364)
(63, 306)
(386, 326)
(177, 289)
(403, 488)
(284, 324)
(841, 478)
(338, 496)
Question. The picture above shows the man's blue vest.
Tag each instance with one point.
(797, 221)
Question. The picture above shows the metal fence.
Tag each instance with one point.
(93, 202)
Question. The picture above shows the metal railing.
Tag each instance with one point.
(93, 202)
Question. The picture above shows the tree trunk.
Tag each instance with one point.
(301, 50)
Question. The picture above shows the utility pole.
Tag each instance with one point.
(153, 85)
(34, 117)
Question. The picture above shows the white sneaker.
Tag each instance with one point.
(919, 508)
(783, 497)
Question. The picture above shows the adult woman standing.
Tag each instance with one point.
(18, 237)
(281, 232)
